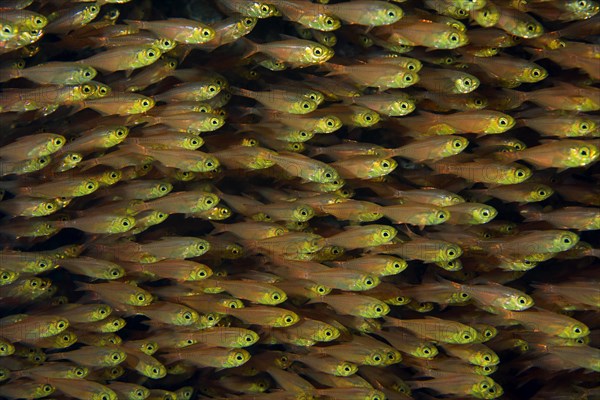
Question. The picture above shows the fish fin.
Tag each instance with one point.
(251, 47)
(82, 286)
(135, 23)
(406, 230)
(531, 213)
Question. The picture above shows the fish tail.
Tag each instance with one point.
(82, 286)
(334, 69)
(251, 47)
(135, 148)
(135, 23)
(531, 214)
(240, 91)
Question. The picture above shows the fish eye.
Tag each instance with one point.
(49, 206)
(577, 329)
(454, 38)
(567, 240)
(145, 103)
(485, 212)
(464, 295)
(248, 21)
(584, 152)
(206, 32)
(7, 29)
(376, 358)
(305, 105)
(329, 21)
(103, 90)
(385, 164)
(530, 27)
(265, 9)
(87, 74)
(90, 186)
(239, 357)
(321, 289)
(47, 388)
(93, 9)
(155, 371)
(288, 319)
(451, 252)
(317, 51)
(113, 272)
(212, 88)
(478, 102)
(378, 309)
(520, 173)
(408, 78)
(214, 121)
(172, 64)
(141, 297)
(466, 336)
(38, 21)
(584, 126)
(385, 234)
(151, 53)
(536, 72)
(467, 82)
(187, 315)
(461, 12)
(116, 356)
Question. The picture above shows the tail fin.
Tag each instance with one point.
(531, 213)
(251, 47)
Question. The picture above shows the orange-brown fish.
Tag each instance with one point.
(580, 218)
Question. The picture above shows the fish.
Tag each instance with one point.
(368, 13)
(125, 58)
(177, 29)
(437, 329)
(570, 153)
(298, 52)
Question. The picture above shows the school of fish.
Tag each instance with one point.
(296, 199)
